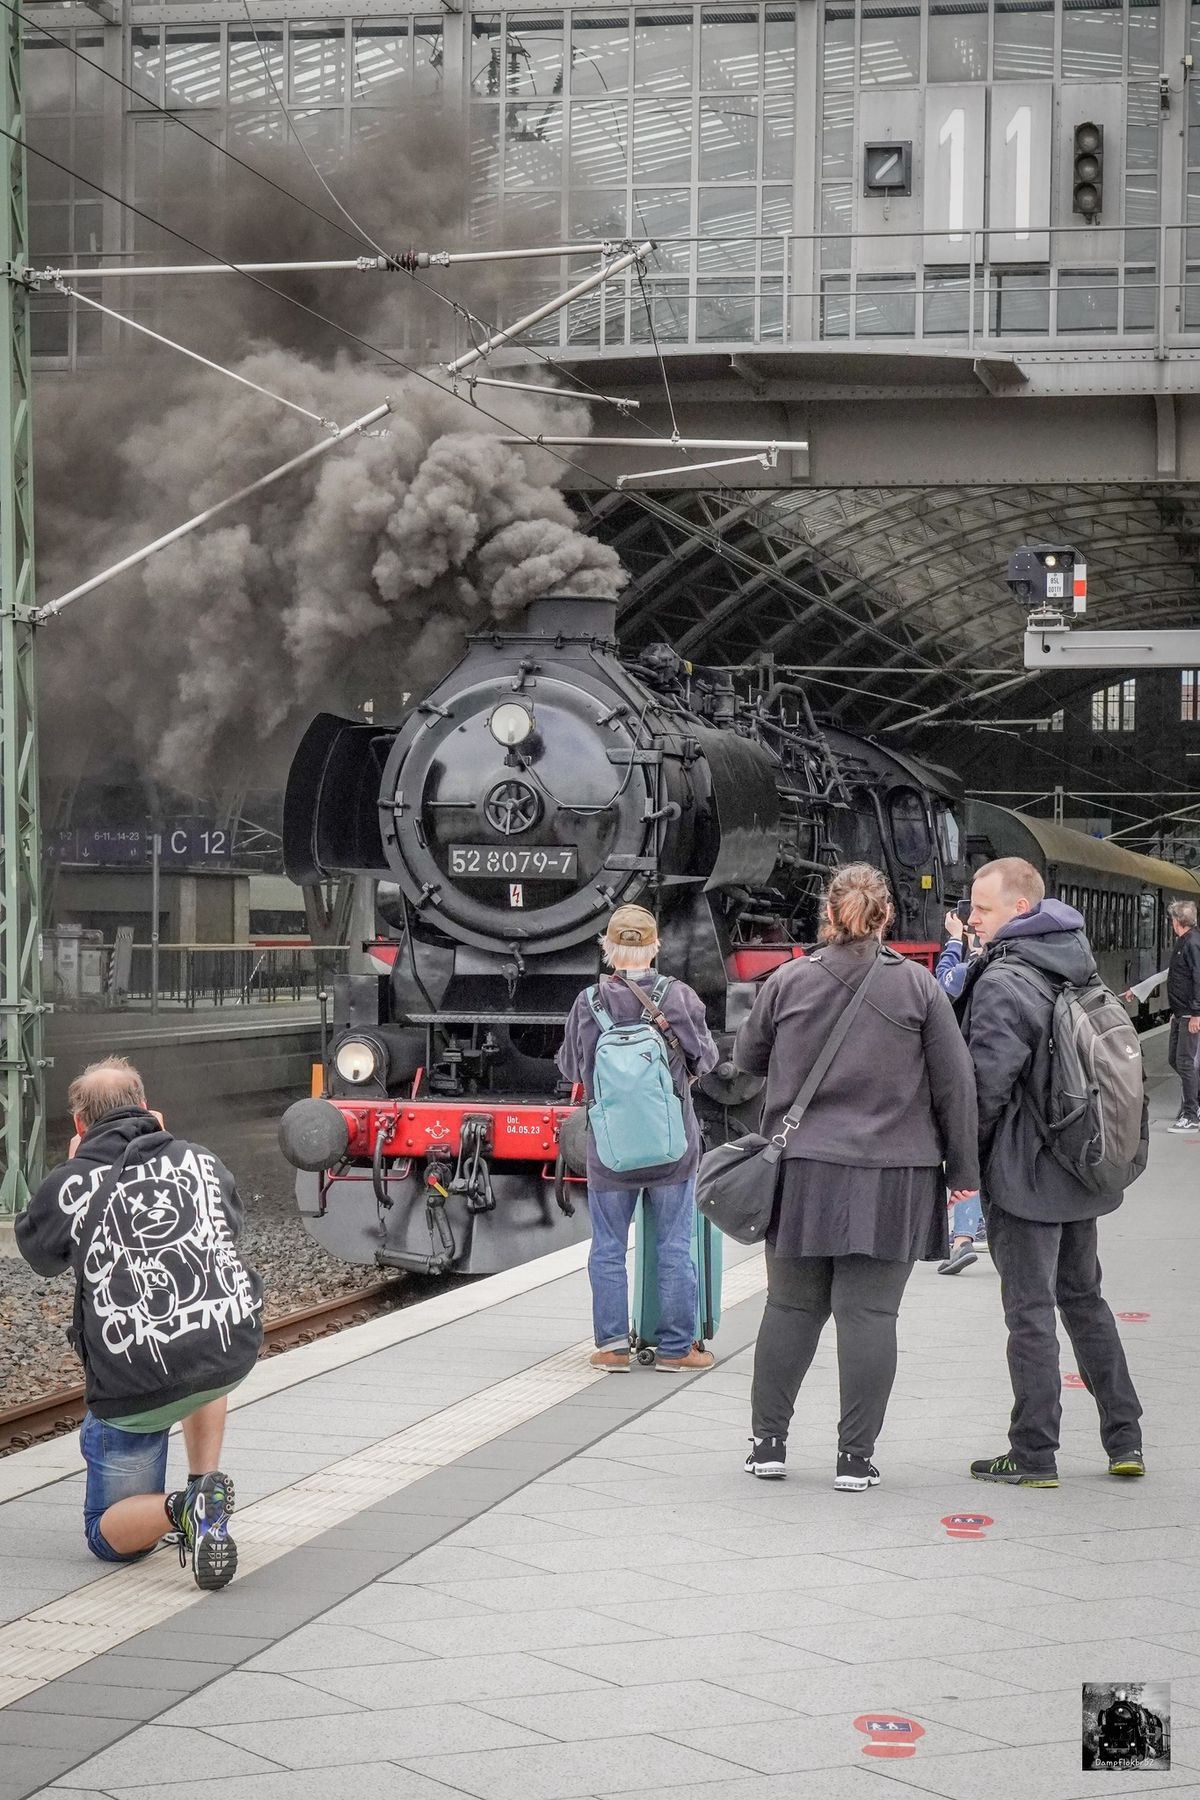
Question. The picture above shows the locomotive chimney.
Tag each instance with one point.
(572, 616)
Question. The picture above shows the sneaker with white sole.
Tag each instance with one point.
(767, 1457)
(1186, 1122)
(204, 1540)
(855, 1474)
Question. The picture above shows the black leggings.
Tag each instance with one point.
(863, 1294)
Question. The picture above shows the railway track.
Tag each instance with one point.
(59, 1413)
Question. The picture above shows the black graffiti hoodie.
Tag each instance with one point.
(165, 1307)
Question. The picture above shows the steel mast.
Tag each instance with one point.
(22, 1112)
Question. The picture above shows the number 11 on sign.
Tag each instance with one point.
(954, 133)
(1020, 132)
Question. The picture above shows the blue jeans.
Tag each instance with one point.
(968, 1217)
(120, 1464)
(674, 1224)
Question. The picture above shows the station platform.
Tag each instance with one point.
(472, 1566)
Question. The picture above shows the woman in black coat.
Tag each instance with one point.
(863, 1178)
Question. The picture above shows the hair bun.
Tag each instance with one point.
(859, 904)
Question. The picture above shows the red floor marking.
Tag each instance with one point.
(891, 1734)
(1073, 1381)
(966, 1525)
(1134, 1318)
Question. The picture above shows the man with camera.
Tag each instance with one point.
(167, 1318)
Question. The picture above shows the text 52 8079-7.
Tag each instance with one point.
(532, 862)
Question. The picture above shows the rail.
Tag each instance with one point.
(60, 1412)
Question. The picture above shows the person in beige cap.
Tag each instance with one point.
(629, 946)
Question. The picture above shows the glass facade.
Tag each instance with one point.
(675, 123)
(738, 137)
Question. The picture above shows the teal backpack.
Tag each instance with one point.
(636, 1117)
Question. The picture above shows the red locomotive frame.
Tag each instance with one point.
(521, 1131)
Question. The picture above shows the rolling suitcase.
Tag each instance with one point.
(707, 1254)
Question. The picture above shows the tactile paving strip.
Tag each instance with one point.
(68, 1632)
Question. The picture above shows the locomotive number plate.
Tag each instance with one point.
(531, 862)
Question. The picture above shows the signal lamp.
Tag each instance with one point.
(1087, 197)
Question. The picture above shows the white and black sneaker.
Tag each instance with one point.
(766, 1458)
(1186, 1122)
(855, 1474)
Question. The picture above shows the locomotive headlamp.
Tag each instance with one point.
(511, 724)
(357, 1060)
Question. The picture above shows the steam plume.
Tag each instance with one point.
(356, 579)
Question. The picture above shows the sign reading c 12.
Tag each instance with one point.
(195, 843)
(181, 844)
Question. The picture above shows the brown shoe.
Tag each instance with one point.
(613, 1362)
(685, 1365)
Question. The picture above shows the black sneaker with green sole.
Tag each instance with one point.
(1007, 1469)
(1129, 1462)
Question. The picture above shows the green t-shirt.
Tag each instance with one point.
(161, 1418)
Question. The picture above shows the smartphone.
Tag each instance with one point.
(963, 909)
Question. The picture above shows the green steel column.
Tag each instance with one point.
(22, 1112)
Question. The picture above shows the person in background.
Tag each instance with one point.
(950, 969)
(966, 1224)
(1183, 999)
(1042, 1231)
(863, 1177)
(629, 946)
(167, 1318)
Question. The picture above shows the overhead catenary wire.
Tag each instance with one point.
(731, 553)
(283, 107)
(31, 24)
(110, 312)
(54, 607)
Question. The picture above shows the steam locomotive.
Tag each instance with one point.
(543, 782)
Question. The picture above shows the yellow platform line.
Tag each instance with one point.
(66, 1633)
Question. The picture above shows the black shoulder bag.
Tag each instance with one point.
(736, 1183)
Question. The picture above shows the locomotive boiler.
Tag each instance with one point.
(544, 781)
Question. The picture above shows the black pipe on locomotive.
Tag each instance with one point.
(544, 781)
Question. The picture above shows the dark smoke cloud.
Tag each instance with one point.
(356, 579)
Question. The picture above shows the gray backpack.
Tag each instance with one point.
(1096, 1088)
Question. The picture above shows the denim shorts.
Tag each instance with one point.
(120, 1464)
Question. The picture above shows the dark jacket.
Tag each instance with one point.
(684, 1012)
(899, 1093)
(165, 1308)
(1006, 1022)
(1183, 975)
